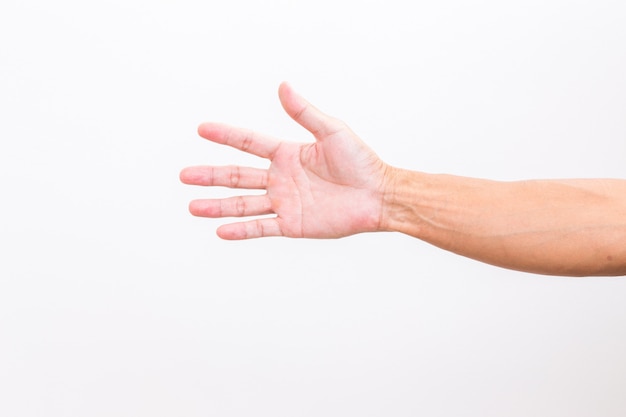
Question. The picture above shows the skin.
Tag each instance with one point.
(337, 186)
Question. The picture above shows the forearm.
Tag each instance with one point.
(560, 227)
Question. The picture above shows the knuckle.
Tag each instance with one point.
(227, 138)
(210, 176)
(240, 207)
(298, 114)
(246, 142)
(260, 228)
(235, 177)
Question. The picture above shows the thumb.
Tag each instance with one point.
(308, 116)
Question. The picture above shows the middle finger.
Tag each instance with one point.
(225, 176)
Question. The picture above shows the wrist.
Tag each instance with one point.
(401, 201)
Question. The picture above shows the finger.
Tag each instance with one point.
(250, 230)
(308, 116)
(227, 176)
(242, 139)
(240, 206)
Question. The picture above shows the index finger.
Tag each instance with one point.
(242, 139)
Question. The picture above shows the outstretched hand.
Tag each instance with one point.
(330, 188)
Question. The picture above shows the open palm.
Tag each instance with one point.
(332, 187)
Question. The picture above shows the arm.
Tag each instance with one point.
(337, 186)
(557, 227)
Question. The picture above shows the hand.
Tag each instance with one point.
(330, 188)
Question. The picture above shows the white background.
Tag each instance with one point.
(114, 301)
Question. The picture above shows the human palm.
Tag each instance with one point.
(330, 188)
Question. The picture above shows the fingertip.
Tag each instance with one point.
(192, 207)
(211, 131)
(202, 129)
(230, 232)
(221, 234)
(183, 175)
(289, 99)
(284, 88)
(304, 113)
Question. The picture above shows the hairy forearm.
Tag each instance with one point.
(557, 227)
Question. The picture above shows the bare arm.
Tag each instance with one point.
(558, 227)
(336, 186)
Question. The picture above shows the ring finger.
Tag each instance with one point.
(240, 206)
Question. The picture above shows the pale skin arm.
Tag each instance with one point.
(336, 186)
